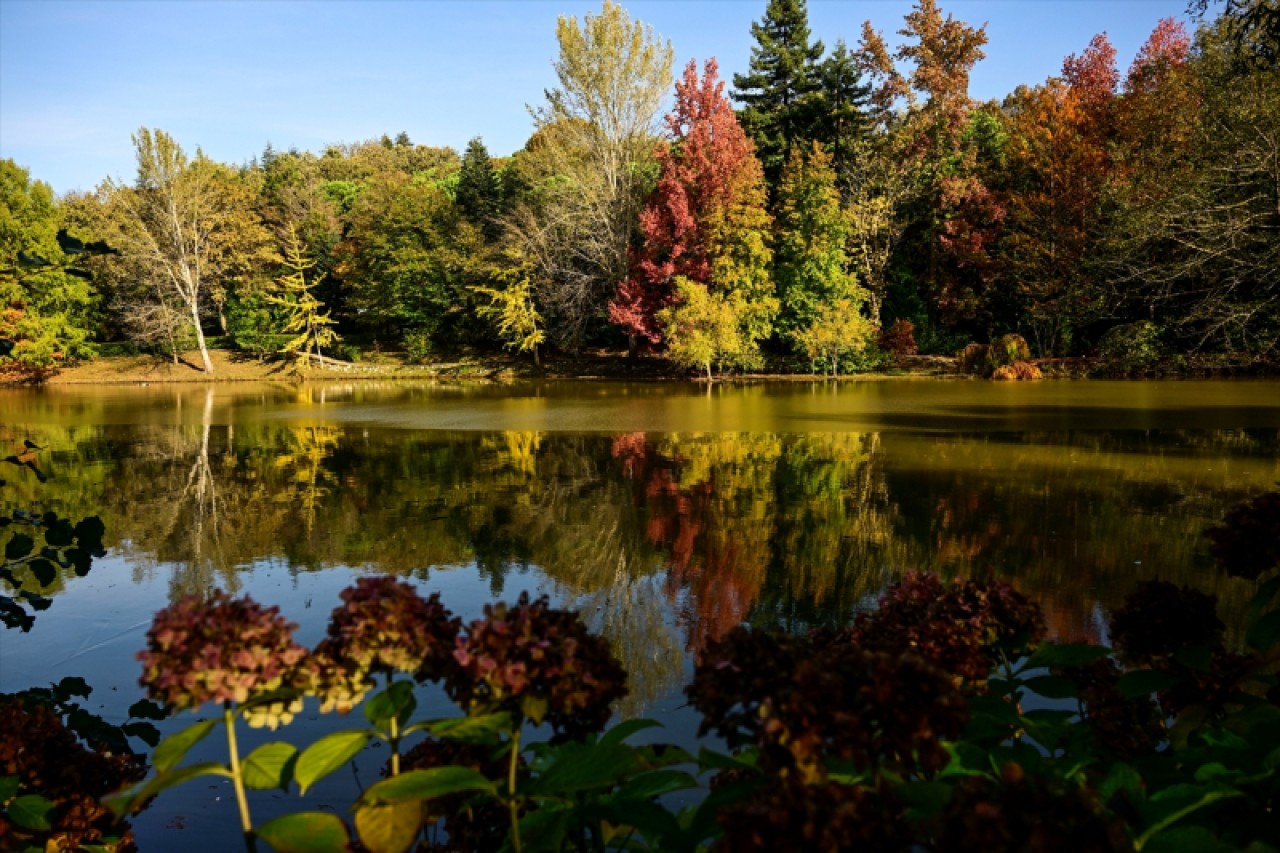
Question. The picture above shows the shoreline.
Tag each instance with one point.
(230, 367)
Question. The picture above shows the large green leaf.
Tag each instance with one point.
(416, 785)
(8, 788)
(389, 828)
(306, 832)
(574, 767)
(269, 766)
(174, 748)
(31, 812)
(327, 755)
(482, 729)
(126, 801)
(1052, 687)
(396, 701)
(624, 730)
(1065, 654)
(656, 783)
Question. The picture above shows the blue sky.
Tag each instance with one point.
(77, 77)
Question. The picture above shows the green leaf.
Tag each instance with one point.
(1121, 778)
(622, 731)
(1168, 820)
(1195, 657)
(396, 701)
(306, 832)
(45, 572)
(967, 759)
(1065, 654)
(711, 760)
(1186, 839)
(19, 546)
(416, 785)
(31, 812)
(327, 755)
(482, 729)
(1053, 687)
(544, 829)
(656, 783)
(8, 788)
(389, 828)
(1263, 597)
(1144, 682)
(175, 747)
(924, 800)
(1216, 771)
(578, 767)
(1264, 633)
(269, 766)
(126, 801)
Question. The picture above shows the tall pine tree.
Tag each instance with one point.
(479, 194)
(780, 93)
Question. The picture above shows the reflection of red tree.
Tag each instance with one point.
(707, 558)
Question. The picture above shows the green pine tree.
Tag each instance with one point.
(479, 193)
(780, 94)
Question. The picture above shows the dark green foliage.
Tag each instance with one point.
(779, 93)
(479, 193)
(1132, 349)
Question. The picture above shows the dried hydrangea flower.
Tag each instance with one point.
(1158, 619)
(382, 627)
(804, 700)
(965, 627)
(221, 650)
(537, 662)
(794, 817)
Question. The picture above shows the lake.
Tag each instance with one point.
(665, 513)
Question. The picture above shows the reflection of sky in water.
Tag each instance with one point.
(665, 514)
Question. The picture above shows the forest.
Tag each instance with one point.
(823, 210)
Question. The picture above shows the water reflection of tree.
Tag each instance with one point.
(675, 537)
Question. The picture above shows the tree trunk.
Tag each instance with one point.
(633, 347)
(204, 349)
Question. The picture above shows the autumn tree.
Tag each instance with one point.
(405, 262)
(780, 92)
(513, 310)
(705, 222)
(306, 317)
(810, 262)
(190, 226)
(1194, 245)
(1059, 163)
(45, 306)
(590, 164)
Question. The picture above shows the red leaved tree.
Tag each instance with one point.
(699, 221)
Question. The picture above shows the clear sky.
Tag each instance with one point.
(78, 76)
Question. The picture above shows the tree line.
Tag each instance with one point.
(812, 212)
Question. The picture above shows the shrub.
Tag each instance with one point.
(1018, 371)
(1132, 349)
(1005, 350)
(419, 346)
(972, 359)
(899, 339)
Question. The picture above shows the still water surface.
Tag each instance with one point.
(665, 513)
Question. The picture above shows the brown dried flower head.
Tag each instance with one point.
(222, 649)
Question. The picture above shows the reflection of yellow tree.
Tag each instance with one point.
(310, 446)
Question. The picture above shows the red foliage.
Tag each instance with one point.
(703, 172)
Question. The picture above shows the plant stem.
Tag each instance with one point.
(237, 780)
(511, 789)
(395, 746)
